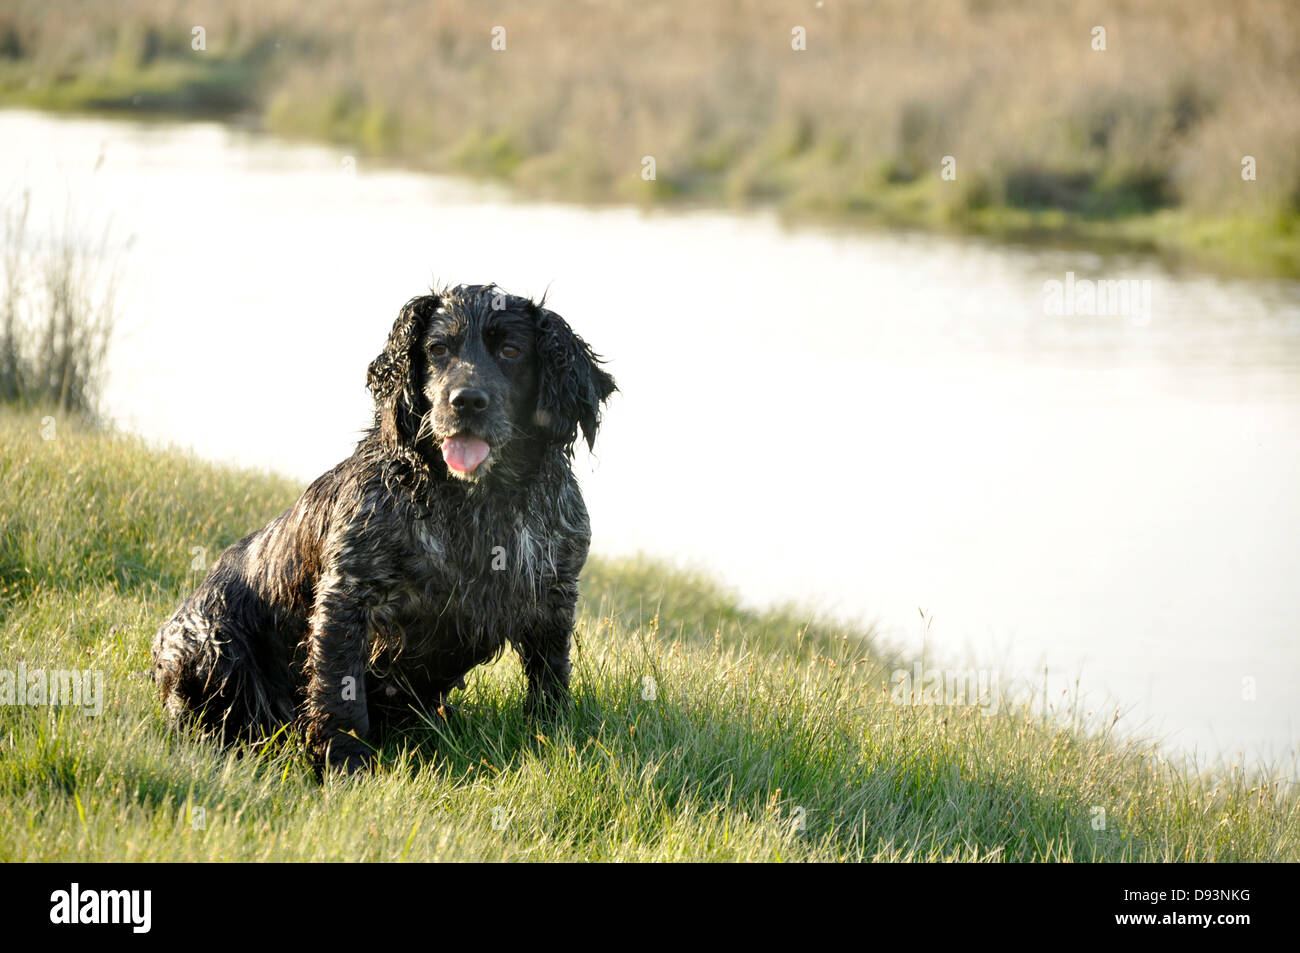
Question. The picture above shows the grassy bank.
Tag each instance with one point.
(1138, 146)
(767, 737)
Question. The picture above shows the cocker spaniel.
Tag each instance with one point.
(455, 527)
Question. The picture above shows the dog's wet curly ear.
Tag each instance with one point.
(394, 377)
(572, 385)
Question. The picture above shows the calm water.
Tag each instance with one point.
(870, 424)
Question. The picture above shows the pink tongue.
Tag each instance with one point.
(464, 453)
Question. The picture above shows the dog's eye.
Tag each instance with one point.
(438, 350)
(509, 352)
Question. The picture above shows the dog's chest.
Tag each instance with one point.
(461, 590)
(508, 558)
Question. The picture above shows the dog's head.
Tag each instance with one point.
(473, 376)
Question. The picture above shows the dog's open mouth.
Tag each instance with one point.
(465, 452)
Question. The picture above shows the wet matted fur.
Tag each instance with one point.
(400, 570)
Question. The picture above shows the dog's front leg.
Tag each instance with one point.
(336, 717)
(544, 651)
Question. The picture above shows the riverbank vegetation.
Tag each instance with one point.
(1139, 145)
(58, 307)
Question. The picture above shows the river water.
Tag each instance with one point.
(867, 423)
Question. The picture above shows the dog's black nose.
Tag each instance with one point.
(467, 398)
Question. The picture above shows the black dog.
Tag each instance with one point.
(456, 526)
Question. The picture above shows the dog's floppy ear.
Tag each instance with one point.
(395, 376)
(571, 385)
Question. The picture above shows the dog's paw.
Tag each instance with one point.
(548, 706)
(357, 762)
(349, 760)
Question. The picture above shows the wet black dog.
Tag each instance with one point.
(457, 526)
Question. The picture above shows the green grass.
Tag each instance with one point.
(759, 719)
